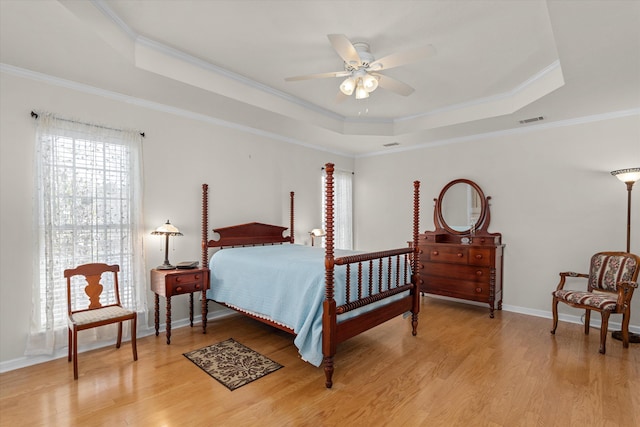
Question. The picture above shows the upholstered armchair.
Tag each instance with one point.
(610, 286)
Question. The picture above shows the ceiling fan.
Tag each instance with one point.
(362, 70)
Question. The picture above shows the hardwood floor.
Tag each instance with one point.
(463, 369)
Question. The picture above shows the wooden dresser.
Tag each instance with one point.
(458, 262)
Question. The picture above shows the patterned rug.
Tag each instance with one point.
(232, 363)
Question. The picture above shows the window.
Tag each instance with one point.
(88, 209)
(343, 208)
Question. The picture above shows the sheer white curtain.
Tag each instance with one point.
(88, 209)
(343, 208)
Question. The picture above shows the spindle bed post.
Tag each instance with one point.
(291, 220)
(329, 305)
(205, 252)
(414, 267)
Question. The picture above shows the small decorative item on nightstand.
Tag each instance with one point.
(187, 265)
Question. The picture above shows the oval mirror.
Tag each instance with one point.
(461, 207)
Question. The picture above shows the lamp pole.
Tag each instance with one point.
(629, 186)
(629, 177)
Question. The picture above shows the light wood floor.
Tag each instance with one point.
(463, 369)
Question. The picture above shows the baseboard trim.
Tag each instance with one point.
(26, 361)
(568, 318)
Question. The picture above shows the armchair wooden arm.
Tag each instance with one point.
(565, 274)
(625, 292)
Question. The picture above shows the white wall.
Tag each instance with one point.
(249, 179)
(552, 198)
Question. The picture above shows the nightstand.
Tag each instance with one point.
(168, 283)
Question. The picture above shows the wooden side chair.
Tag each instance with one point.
(96, 314)
(611, 282)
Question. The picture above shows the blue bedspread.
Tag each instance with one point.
(284, 283)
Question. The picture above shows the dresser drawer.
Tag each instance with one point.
(470, 273)
(480, 256)
(450, 254)
(475, 291)
(184, 283)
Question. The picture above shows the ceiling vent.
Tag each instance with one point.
(391, 144)
(531, 120)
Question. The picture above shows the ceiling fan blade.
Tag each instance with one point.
(318, 76)
(345, 49)
(394, 85)
(402, 58)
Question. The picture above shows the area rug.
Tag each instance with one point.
(232, 363)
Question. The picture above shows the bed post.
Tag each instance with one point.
(416, 288)
(291, 218)
(329, 304)
(205, 250)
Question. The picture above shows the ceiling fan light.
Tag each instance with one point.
(347, 86)
(361, 92)
(370, 83)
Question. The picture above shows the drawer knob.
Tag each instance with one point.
(479, 290)
(460, 255)
(420, 251)
(179, 289)
(197, 286)
(421, 266)
(435, 252)
(197, 277)
(178, 279)
(479, 273)
(478, 256)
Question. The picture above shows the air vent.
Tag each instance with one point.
(391, 144)
(531, 120)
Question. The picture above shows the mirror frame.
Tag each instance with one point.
(439, 218)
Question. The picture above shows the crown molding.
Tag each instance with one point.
(512, 131)
(91, 90)
(209, 67)
(80, 87)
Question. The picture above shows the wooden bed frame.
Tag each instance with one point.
(333, 332)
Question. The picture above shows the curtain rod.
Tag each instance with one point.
(35, 116)
(340, 170)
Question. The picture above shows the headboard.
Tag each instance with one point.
(253, 233)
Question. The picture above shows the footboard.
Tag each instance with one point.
(381, 276)
(376, 296)
(392, 276)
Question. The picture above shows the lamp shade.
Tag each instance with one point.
(347, 86)
(370, 83)
(361, 92)
(317, 232)
(167, 228)
(627, 175)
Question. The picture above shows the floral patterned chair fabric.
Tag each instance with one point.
(611, 281)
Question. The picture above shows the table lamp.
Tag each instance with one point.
(316, 232)
(167, 230)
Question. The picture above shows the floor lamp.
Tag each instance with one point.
(629, 177)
